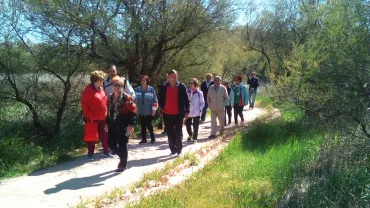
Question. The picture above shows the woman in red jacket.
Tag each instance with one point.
(94, 109)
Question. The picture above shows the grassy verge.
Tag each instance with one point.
(253, 171)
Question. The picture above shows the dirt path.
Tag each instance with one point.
(63, 184)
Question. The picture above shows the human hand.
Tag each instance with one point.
(106, 127)
(153, 113)
(130, 129)
(186, 116)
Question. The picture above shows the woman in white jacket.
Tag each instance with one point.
(197, 103)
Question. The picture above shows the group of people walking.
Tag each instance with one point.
(111, 108)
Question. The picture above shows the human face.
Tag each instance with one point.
(192, 85)
(172, 78)
(117, 87)
(99, 83)
(143, 82)
(236, 81)
(217, 81)
(112, 71)
(208, 78)
(253, 74)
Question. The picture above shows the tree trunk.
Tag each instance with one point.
(62, 108)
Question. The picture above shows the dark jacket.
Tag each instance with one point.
(253, 83)
(184, 105)
(204, 89)
(121, 114)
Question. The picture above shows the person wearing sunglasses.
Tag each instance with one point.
(120, 121)
(94, 111)
(147, 103)
(196, 106)
(238, 98)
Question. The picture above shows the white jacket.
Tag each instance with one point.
(197, 103)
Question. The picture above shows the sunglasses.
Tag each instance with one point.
(116, 85)
(191, 82)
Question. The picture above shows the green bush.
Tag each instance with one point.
(18, 155)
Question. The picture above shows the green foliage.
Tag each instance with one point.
(253, 171)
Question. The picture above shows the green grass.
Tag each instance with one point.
(158, 173)
(253, 171)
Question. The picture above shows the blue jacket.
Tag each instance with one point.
(244, 95)
(146, 101)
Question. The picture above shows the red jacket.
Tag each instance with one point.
(94, 104)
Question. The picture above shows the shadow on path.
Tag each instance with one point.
(80, 183)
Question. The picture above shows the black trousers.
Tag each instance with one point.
(228, 113)
(117, 141)
(195, 122)
(238, 111)
(146, 123)
(173, 125)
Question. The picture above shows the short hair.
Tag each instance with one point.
(254, 73)
(209, 75)
(117, 79)
(196, 82)
(172, 72)
(110, 66)
(146, 78)
(97, 76)
(218, 77)
(225, 82)
(238, 77)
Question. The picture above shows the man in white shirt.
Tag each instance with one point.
(112, 71)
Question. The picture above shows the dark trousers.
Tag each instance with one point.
(117, 142)
(173, 125)
(228, 113)
(195, 122)
(204, 111)
(103, 136)
(238, 111)
(146, 123)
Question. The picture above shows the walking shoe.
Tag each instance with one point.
(202, 121)
(189, 138)
(179, 154)
(143, 142)
(109, 155)
(119, 165)
(195, 141)
(164, 132)
(221, 133)
(152, 141)
(172, 154)
(121, 169)
(90, 156)
(212, 137)
(113, 152)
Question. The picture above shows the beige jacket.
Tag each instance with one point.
(217, 100)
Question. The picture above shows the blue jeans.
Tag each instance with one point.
(252, 97)
(204, 112)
